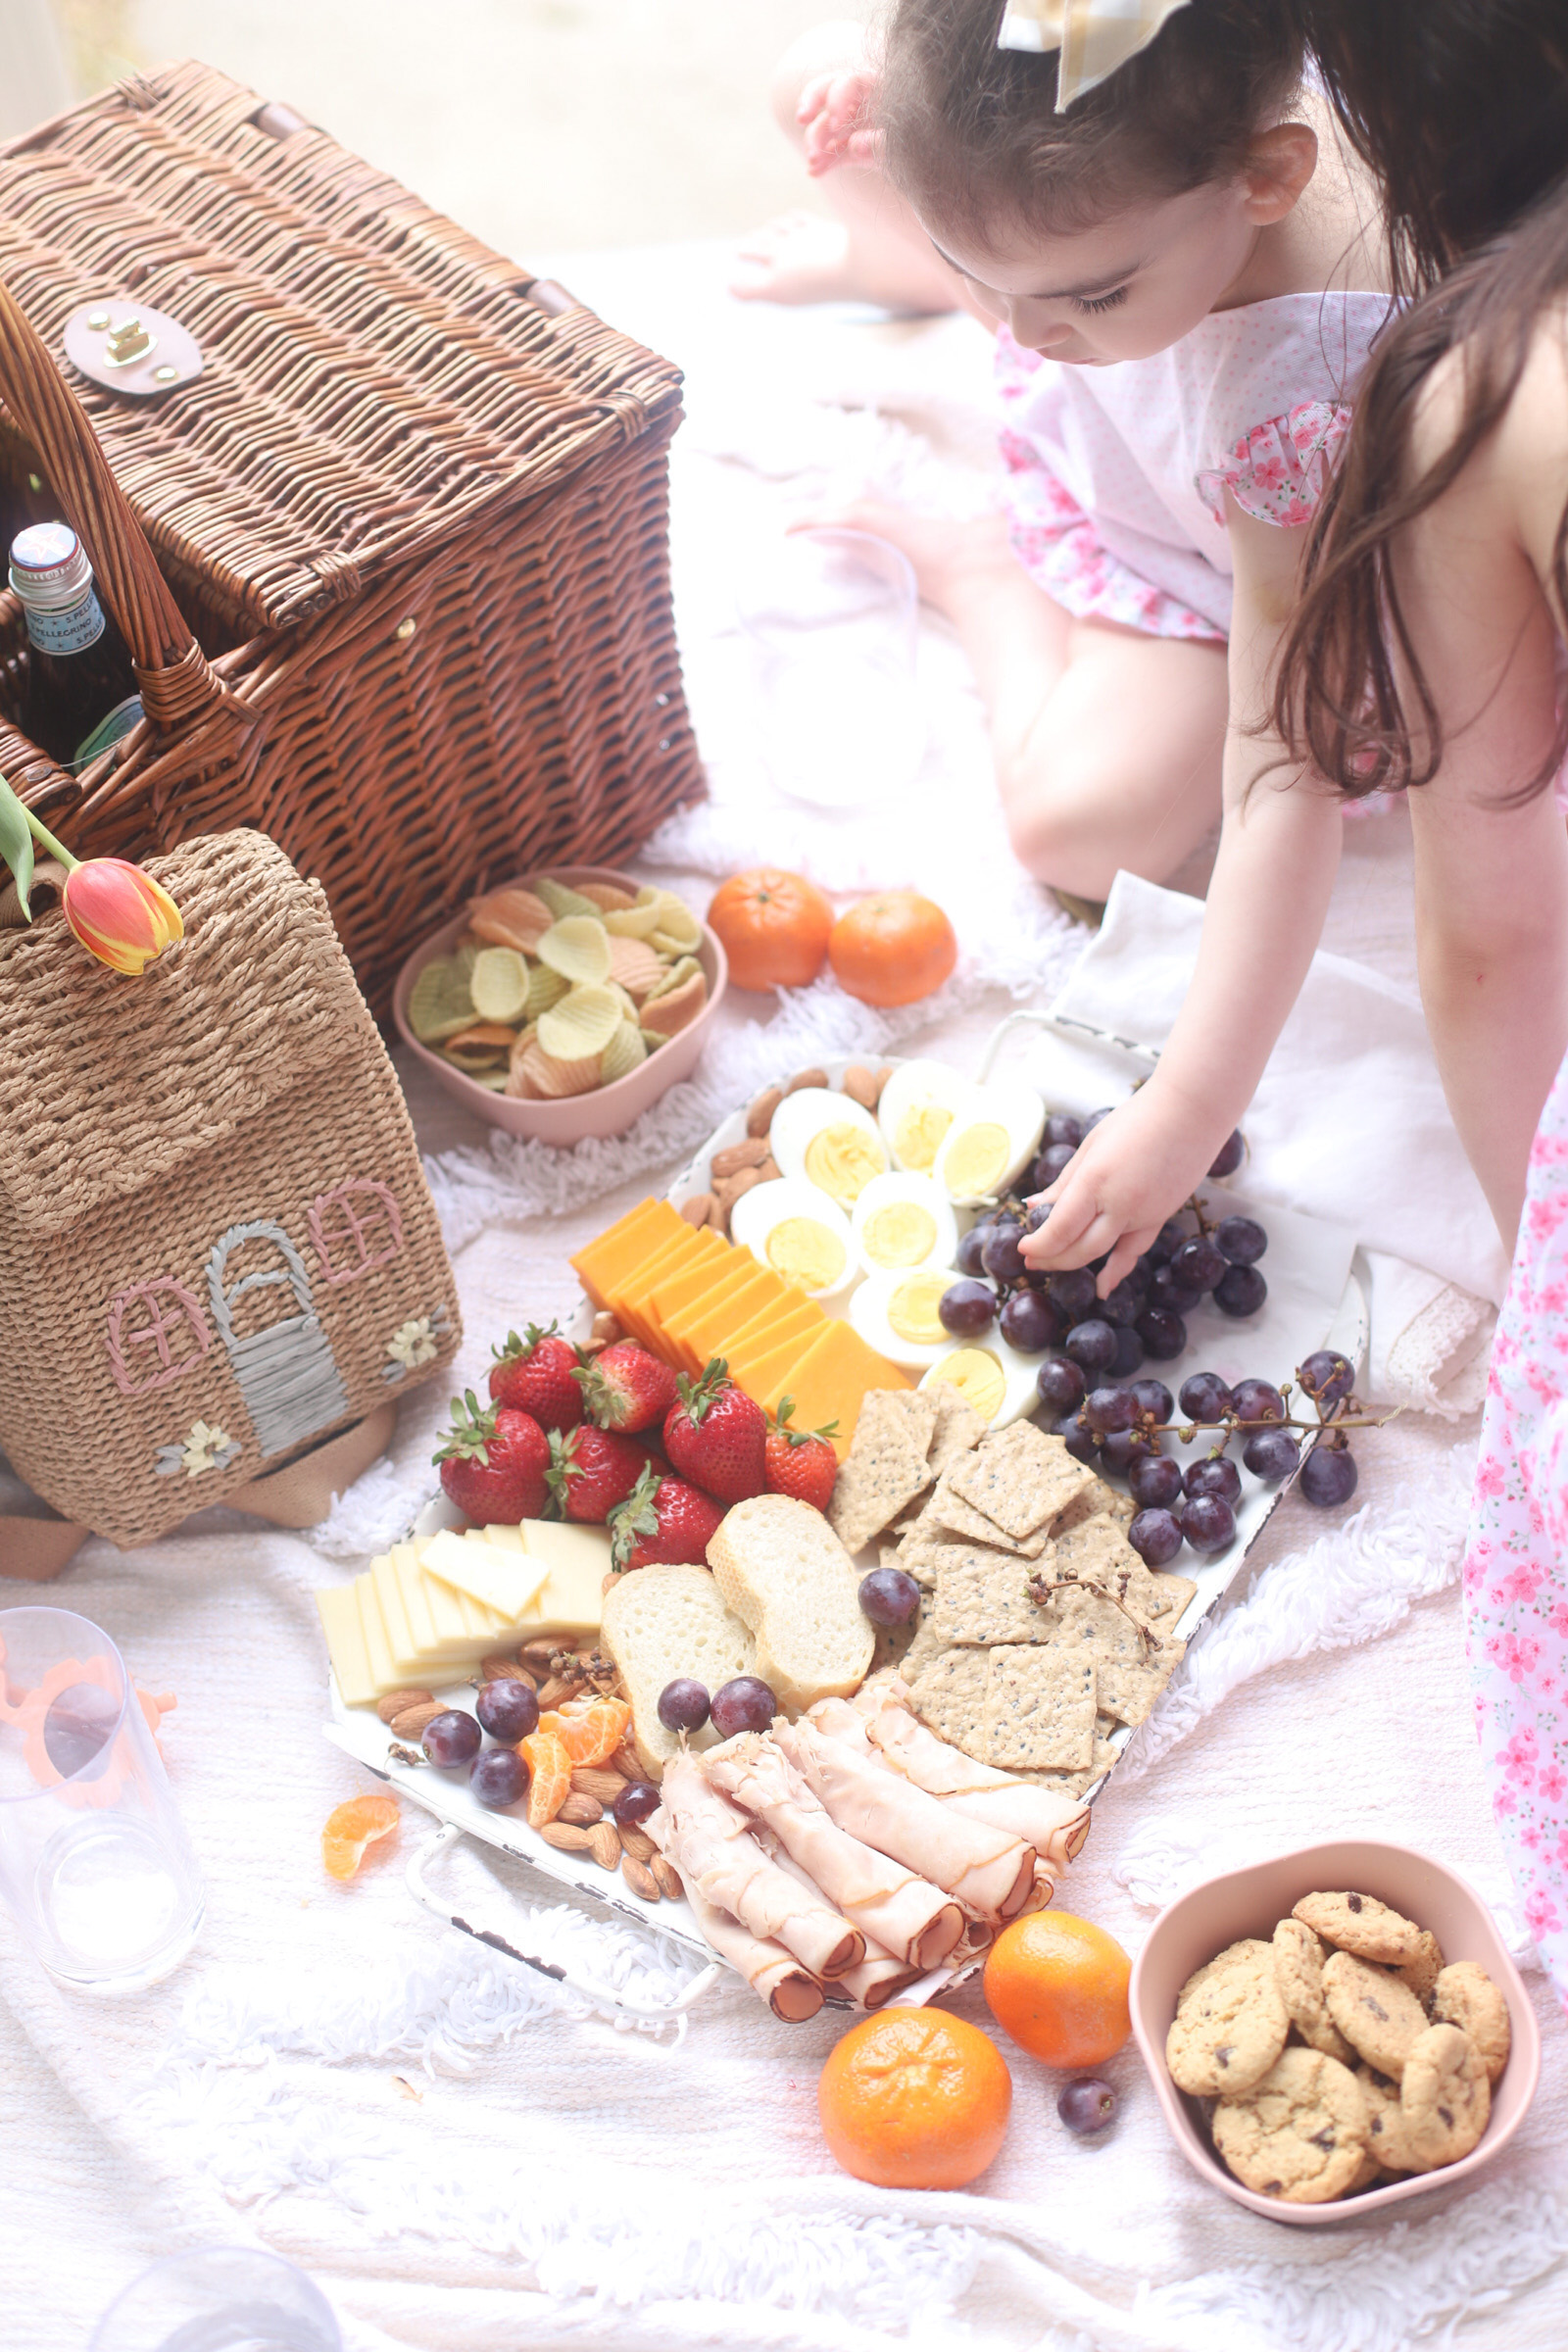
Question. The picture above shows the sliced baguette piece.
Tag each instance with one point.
(783, 1571)
(662, 1622)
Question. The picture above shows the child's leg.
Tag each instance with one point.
(873, 249)
(1107, 743)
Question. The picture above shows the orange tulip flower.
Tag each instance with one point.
(119, 913)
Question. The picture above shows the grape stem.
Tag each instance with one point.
(1040, 1589)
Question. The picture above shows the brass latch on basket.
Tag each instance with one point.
(127, 347)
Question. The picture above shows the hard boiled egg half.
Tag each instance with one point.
(896, 1315)
(802, 1233)
(915, 1111)
(901, 1222)
(989, 1375)
(995, 1132)
(829, 1140)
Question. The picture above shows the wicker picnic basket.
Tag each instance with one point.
(392, 568)
(217, 1245)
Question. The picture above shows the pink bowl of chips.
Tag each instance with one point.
(603, 1107)
(1243, 1903)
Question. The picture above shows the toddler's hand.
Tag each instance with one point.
(832, 111)
(1127, 1176)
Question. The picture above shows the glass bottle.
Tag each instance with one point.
(81, 689)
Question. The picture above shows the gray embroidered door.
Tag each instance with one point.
(286, 1370)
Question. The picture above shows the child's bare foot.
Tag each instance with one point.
(948, 556)
(799, 257)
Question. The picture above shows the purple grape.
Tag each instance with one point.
(1034, 1217)
(1156, 1537)
(1163, 1333)
(1155, 1400)
(889, 1596)
(1329, 1476)
(1215, 1474)
(1095, 1117)
(1230, 1154)
(1001, 1254)
(508, 1710)
(1073, 1290)
(1204, 1396)
(499, 1778)
(1050, 1164)
(1155, 1481)
(1257, 1401)
(1241, 1239)
(1207, 1522)
(1167, 1241)
(1198, 1263)
(1129, 1354)
(1061, 1385)
(1122, 1447)
(1271, 1454)
(745, 1703)
(1241, 1292)
(1122, 1306)
(1107, 1409)
(451, 1737)
(1079, 1439)
(1029, 1322)
(1327, 1377)
(1087, 2105)
(967, 1308)
(969, 1258)
(1176, 1297)
(1063, 1128)
(635, 1802)
(683, 1704)
(1091, 1345)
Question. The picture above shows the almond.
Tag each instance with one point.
(805, 1078)
(637, 1843)
(412, 1722)
(605, 1846)
(536, 1656)
(398, 1702)
(860, 1085)
(597, 1781)
(551, 1692)
(639, 1879)
(624, 1761)
(667, 1878)
(499, 1670)
(728, 1190)
(580, 1812)
(698, 1209)
(769, 1171)
(735, 1157)
(607, 1328)
(882, 1077)
(570, 1841)
(759, 1119)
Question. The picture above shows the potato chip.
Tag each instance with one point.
(578, 949)
(671, 1012)
(582, 1023)
(494, 1036)
(664, 945)
(653, 1040)
(561, 899)
(466, 954)
(512, 918)
(520, 1087)
(556, 1079)
(677, 976)
(608, 896)
(494, 1082)
(676, 919)
(439, 1002)
(633, 962)
(470, 1060)
(499, 984)
(632, 923)
(545, 988)
(623, 1053)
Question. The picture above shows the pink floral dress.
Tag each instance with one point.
(1516, 1559)
(1118, 474)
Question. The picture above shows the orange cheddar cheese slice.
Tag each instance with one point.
(774, 1321)
(603, 1263)
(789, 1327)
(829, 1382)
(628, 1296)
(694, 1256)
(737, 1269)
(675, 1292)
(765, 1372)
(713, 1324)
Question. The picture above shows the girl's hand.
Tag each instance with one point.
(833, 113)
(1127, 1176)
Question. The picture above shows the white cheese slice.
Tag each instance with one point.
(345, 1643)
(502, 1581)
(407, 1654)
(504, 1539)
(379, 1648)
(578, 1562)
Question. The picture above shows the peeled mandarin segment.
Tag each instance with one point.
(578, 949)
(351, 1828)
(515, 918)
(666, 1014)
(607, 896)
(592, 1735)
(550, 1767)
(633, 962)
(632, 923)
(554, 1080)
(563, 900)
(499, 984)
(677, 921)
(545, 988)
(439, 1002)
(624, 1053)
(581, 1024)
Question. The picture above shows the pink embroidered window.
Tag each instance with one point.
(156, 1333)
(355, 1227)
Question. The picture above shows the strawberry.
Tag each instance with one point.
(493, 1463)
(533, 1374)
(662, 1519)
(590, 1471)
(626, 1388)
(801, 1462)
(715, 1435)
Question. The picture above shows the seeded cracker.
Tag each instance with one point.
(982, 1597)
(918, 1411)
(1040, 1709)
(947, 1509)
(883, 1472)
(1097, 1502)
(1021, 1481)
(949, 1695)
(959, 1427)
(922, 1651)
(1097, 1553)
(1130, 1671)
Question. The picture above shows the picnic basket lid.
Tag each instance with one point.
(375, 379)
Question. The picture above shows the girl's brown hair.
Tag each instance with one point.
(1461, 108)
(971, 136)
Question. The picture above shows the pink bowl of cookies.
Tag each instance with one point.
(1335, 2031)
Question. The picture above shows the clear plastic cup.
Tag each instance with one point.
(94, 1861)
(833, 622)
(222, 2299)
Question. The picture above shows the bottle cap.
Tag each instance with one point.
(48, 568)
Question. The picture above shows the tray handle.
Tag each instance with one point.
(177, 684)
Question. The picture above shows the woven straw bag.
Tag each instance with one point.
(393, 570)
(216, 1245)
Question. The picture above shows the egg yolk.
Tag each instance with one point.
(978, 1162)
(917, 1138)
(841, 1160)
(806, 1253)
(978, 1378)
(903, 1234)
(912, 1309)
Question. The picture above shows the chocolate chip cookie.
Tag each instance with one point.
(1299, 1957)
(1360, 1924)
(1378, 2015)
(1465, 1996)
(1422, 1973)
(1445, 2097)
(1385, 2131)
(1300, 2133)
(1230, 2024)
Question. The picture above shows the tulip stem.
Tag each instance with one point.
(46, 841)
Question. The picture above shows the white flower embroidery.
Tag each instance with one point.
(412, 1344)
(205, 1446)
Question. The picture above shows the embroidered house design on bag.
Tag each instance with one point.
(286, 1371)
(355, 1227)
(156, 1333)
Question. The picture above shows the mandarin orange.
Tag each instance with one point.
(351, 1828)
(914, 2098)
(774, 927)
(1059, 1985)
(892, 947)
(594, 1734)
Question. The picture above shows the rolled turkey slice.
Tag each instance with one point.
(709, 1841)
(990, 1871)
(1054, 1826)
(774, 1974)
(881, 1976)
(904, 1914)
